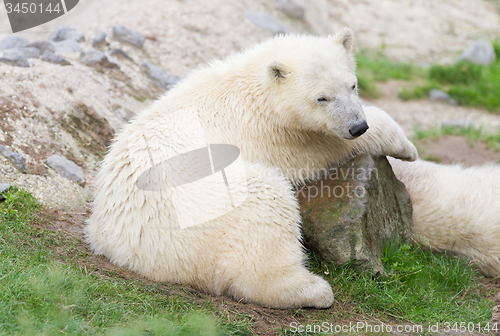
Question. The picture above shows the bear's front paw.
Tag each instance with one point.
(408, 152)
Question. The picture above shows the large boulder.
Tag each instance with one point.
(352, 212)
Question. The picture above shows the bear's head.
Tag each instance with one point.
(313, 84)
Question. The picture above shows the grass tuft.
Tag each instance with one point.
(419, 92)
(461, 73)
(469, 84)
(372, 68)
(473, 135)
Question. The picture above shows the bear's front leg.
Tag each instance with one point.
(384, 137)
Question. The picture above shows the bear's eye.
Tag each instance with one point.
(322, 100)
(353, 87)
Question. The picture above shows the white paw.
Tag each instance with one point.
(407, 152)
(321, 294)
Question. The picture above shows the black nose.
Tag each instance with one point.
(358, 129)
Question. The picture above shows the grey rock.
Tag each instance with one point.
(67, 46)
(159, 77)
(14, 57)
(93, 57)
(424, 64)
(460, 123)
(64, 33)
(479, 52)
(30, 52)
(292, 9)
(99, 37)
(438, 95)
(117, 52)
(129, 36)
(42, 45)
(266, 21)
(3, 189)
(50, 57)
(350, 214)
(13, 41)
(15, 158)
(66, 168)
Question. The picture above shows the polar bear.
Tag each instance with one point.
(455, 209)
(290, 106)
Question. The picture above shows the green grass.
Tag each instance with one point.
(420, 287)
(467, 83)
(44, 294)
(473, 135)
(372, 68)
(419, 92)
(470, 84)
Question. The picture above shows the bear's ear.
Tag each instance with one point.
(345, 37)
(277, 71)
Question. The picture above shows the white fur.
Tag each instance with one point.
(265, 101)
(455, 209)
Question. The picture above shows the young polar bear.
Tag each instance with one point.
(455, 209)
(290, 105)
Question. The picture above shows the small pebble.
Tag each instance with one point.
(130, 36)
(99, 37)
(266, 21)
(67, 46)
(64, 33)
(53, 58)
(13, 41)
(117, 52)
(66, 168)
(159, 77)
(31, 52)
(15, 158)
(14, 57)
(292, 9)
(42, 45)
(93, 57)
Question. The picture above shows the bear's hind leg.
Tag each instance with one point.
(265, 259)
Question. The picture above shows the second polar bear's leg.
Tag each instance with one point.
(260, 249)
(384, 137)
